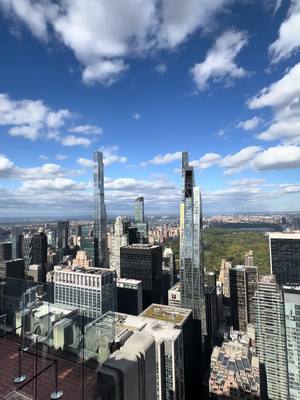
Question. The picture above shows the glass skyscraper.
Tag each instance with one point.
(191, 264)
(100, 211)
(139, 209)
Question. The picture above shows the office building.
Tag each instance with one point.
(100, 211)
(243, 283)
(234, 372)
(5, 251)
(39, 246)
(191, 257)
(16, 240)
(169, 351)
(211, 303)
(285, 257)
(292, 329)
(12, 269)
(224, 279)
(139, 209)
(174, 298)
(270, 336)
(79, 230)
(129, 373)
(62, 238)
(181, 319)
(143, 262)
(90, 246)
(119, 239)
(249, 258)
(92, 290)
(168, 270)
(81, 260)
(129, 296)
(35, 272)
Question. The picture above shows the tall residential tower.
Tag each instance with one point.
(191, 264)
(100, 211)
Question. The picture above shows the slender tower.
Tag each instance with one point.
(100, 211)
(191, 264)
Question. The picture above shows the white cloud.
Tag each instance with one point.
(279, 157)
(71, 140)
(249, 124)
(208, 160)
(61, 157)
(247, 182)
(283, 96)
(43, 157)
(161, 68)
(85, 162)
(30, 119)
(288, 41)
(290, 187)
(104, 72)
(241, 160)
(87, 129)
(161, 159)
(136, 116)
(219, 64)
(104, 34)
(51, 184)
(279, 93)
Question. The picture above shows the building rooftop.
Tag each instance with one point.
(284, 235)
(167, 313)
(81, 270)
(130, 281)
(141, 246)
(243, 267)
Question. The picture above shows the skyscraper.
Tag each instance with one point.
(39, 247)
(119, 239)
(143, 262)
(243, 283)
(62, 238)
(285, 257)
(100, 211)
(292, 329)
(139, 209)
(191, 265)
(270, 336)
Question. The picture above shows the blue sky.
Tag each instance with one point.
(143, 80)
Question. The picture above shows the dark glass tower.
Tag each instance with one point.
(139, 209)
(100, 211)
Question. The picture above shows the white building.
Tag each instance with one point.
(174, 298)
(92, 290)
(118, 240)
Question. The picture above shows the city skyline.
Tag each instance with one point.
(143, 92)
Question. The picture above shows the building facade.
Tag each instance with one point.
(191, 257)
(285, 257)
(243, 283)
(129, 296)
(119, 239)
(143, 262)
(92, 290)
(100, 232)
(292, 328)
(270, 336)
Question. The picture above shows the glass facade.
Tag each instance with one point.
(100, 211)
(191, 262)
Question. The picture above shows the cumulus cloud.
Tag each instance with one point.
(87, 129)
(161, 159)
(283, 96)
(279, 157)
(85, 162)
(288, 41)
(219, 64)
(103, 35)
(234, 163)
(30, 119)
(249, 124)
(208, 160)
(61, 157)
(71, 140)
